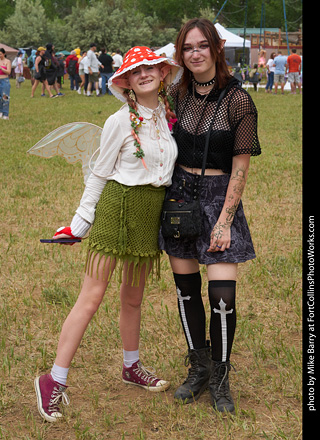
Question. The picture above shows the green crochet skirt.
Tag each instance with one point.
(126, 228)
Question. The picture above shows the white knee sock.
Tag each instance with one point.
(130, 357)
(59, 374)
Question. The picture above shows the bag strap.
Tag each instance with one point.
(206, 148)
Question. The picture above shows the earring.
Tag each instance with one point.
(161, 89)
(132, 95)
(161, 92)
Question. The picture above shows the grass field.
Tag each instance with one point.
(39, 284)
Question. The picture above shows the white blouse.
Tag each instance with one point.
(117, 161)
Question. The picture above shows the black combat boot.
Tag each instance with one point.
(198, 375)
(221, 398)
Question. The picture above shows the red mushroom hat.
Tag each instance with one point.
(137, 56)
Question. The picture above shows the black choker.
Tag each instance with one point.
(205, 84)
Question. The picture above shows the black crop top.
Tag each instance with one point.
(234, 130)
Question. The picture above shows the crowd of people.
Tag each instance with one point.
(88, 71)
(278, 69)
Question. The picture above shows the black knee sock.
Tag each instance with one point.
(191, 309)
(222, 296)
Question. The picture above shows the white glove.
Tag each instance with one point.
(79, 226)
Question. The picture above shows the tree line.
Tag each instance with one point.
(121, 24)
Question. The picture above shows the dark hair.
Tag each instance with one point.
(3, 51)
(210, 33)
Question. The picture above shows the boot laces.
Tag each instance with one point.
(192, 360)
(221, 373)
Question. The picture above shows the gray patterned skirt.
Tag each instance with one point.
(212, 197)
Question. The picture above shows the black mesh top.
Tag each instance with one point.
(233, 132)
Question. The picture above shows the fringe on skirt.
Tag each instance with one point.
(126, 229)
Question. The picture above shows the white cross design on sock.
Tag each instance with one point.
(223, 313)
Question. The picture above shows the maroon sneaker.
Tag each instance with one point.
(140, 376)
(49, 395)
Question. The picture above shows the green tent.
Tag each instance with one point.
(63, 52)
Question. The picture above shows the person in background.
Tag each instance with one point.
(78, 52)
(31, 64)
(106, 71)
(262, 59)
(93, 66)
(5, 71)
(60, 70)
(41, 72)
(279, 72)
(51, 66)
(238, 75)
(72, 67)
(83, 73)
(117, 60)
(270, 73)
(18, 70)
(293, 68)
(254, 76)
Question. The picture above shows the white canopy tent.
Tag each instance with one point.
(233, 46)
(169, 50)
(232, 40)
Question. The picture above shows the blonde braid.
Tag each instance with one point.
(130, 100)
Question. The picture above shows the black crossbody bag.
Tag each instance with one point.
(181, 219)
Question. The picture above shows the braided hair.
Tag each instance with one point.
(136, 119)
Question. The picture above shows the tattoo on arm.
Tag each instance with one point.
(239, 179)
(233, 198)
(217, 230)
(231, 211)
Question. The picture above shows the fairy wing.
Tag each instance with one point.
(76, 142)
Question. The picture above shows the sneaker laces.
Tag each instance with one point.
(58, 396)
(144, 373)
